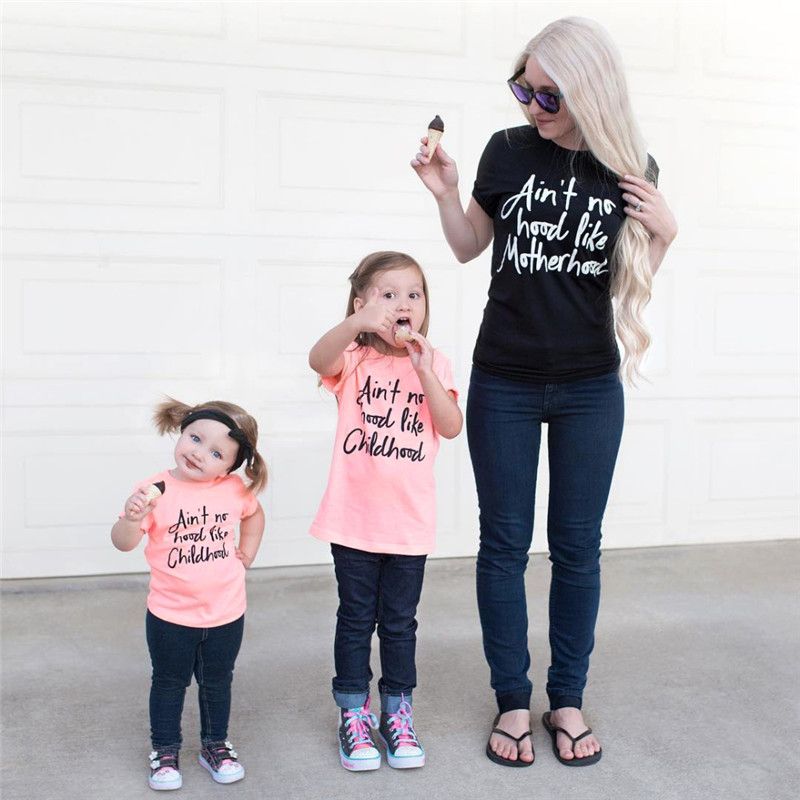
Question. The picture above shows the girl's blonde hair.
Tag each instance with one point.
(584, 63)
(362, 277)
(170, 413)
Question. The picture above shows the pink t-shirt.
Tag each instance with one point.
(381, 492)
(195, 577)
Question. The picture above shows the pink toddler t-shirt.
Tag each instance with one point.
(195, 577)
(381, 489)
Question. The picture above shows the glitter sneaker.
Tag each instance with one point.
(222, 761)
(357, 751)
(403, 750)
(165, 774)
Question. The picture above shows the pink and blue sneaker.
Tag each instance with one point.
(165, 774)
(222, 761)
(403, 750)
(357, 751)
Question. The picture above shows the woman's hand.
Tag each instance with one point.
(373, 316)
(468, 234)
(137, 506)
(439, 174)
(244, 558)
(420, 352)
(647, 205)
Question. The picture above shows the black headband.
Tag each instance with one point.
(235, 432)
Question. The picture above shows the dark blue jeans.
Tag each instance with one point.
(376, 589)
(504, 419)
(177, 652)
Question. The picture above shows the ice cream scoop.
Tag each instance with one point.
(435, 133)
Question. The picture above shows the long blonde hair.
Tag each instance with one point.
(584, 63)
(170, 413)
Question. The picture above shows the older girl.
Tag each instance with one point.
(396, 397)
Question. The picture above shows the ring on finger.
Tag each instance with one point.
(638, 206)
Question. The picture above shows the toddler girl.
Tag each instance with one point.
(395, 397)
(196, 604)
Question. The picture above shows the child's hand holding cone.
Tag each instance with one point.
(139, 504)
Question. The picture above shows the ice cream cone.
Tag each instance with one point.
(155, 490)
(402, 335)
(433, 139)
(435, 133)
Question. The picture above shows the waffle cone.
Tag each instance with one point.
(433, 139)
(401, 336)
(151, 492)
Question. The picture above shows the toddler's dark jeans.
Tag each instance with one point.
(177, 652)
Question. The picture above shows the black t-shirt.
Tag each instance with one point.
(556, 215)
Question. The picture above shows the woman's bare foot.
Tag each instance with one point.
(516, 723)
(571, 720)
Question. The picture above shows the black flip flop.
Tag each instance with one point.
(569, 762)
(507, 762)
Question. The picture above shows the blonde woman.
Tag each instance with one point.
(570, 202)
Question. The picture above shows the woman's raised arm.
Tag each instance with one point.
(468, 234)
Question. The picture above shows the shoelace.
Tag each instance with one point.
(401, 724)
(359, 721)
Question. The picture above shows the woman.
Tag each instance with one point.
(570, 203)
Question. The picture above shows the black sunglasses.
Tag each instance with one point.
(547, 101)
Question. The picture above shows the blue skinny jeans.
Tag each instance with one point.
(504, 425)
(376, 590)
(178, 652)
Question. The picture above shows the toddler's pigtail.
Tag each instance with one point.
(256, 472)
(169, 414)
